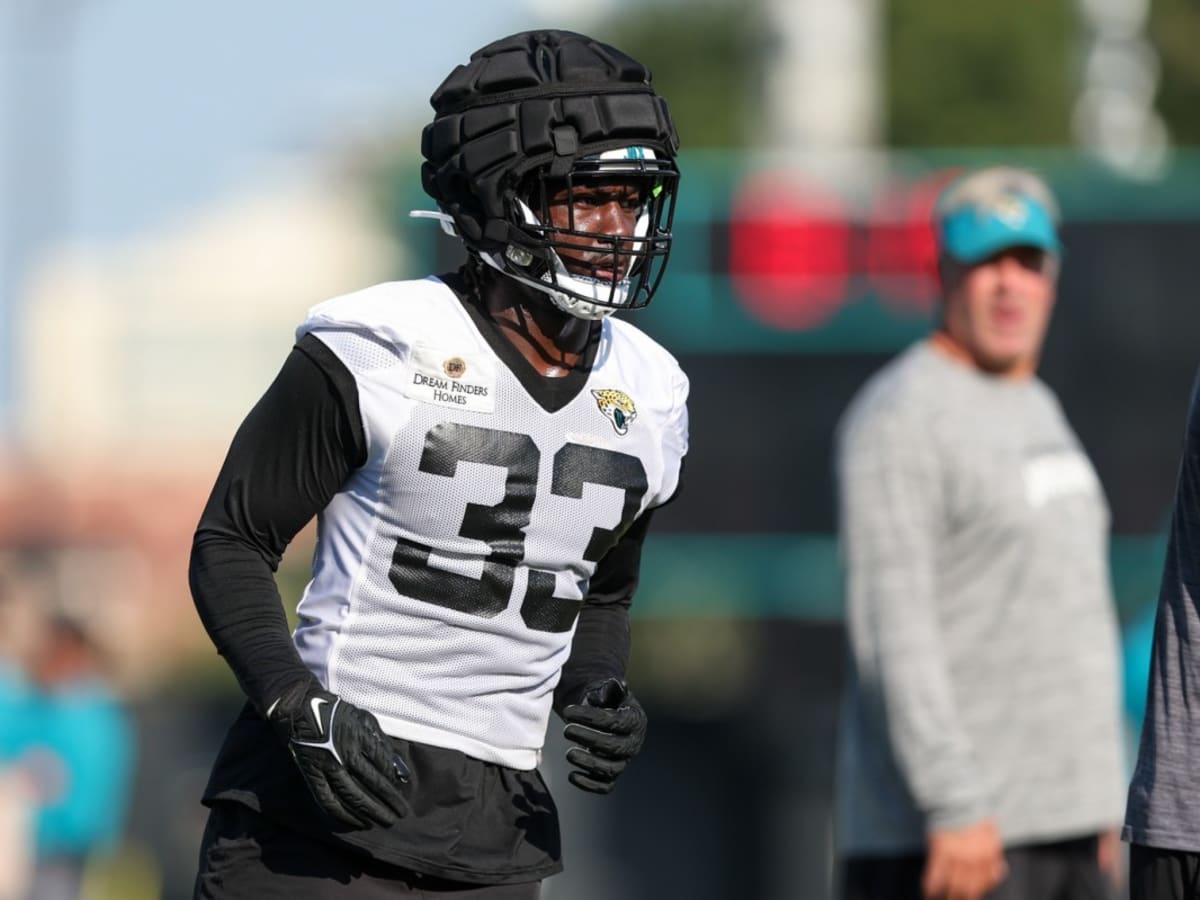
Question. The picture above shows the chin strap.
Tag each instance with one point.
(444, 219)
(568, 304)
(575, 306)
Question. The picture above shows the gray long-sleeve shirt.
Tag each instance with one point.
(984, 650)
(1164, 794)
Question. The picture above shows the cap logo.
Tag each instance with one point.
(1012, 211)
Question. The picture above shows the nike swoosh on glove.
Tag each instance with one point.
(349, 764)
(609, 725)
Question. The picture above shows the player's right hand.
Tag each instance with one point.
(963, 863)
(350, 766)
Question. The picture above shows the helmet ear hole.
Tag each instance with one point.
(468, 226)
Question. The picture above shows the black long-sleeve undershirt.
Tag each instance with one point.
(288, 459)
(291, 455)
(602, 638)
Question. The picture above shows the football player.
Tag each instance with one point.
(482, 451)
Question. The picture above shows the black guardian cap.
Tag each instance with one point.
(551, 105)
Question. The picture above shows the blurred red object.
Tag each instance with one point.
(789, 251)
(901, 247)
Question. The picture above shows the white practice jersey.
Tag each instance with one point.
(450, 567)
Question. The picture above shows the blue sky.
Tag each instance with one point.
(119, 117)
(165, 104)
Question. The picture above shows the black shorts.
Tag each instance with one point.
(1058, 870)
(245, 856)
(1156, 874)
(470, 821)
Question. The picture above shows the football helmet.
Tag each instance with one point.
(530, 121)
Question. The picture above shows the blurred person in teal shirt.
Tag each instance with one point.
(64, 731)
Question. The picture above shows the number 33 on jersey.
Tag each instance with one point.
(489, 496)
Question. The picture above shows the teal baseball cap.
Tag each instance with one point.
(972, 232)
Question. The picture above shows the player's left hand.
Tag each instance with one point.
(609, 725)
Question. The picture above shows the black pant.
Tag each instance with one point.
(1156, 874)
(1061, 870)
(244, 856)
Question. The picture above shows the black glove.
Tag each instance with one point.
(348, 762)
(609, 726)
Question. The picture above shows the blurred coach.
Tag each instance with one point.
(980, 743)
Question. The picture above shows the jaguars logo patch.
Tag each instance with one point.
(617, 407)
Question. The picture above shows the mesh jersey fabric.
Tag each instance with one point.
(451, 565)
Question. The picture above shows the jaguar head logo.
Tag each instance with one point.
(1011, 210)
(617, 408)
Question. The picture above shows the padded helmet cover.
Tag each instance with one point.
(532, 100)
